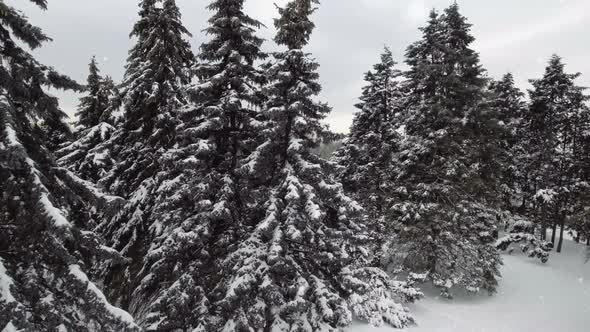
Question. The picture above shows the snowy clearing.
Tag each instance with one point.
(532, 297)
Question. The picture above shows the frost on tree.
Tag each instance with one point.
(366, 159)
(557, 125)
(580, 226)
(303, 264)
(509, 102)
(526, 235)
(87, 156)
(448, 162)
(152, 91)
(45, 251)
(204, 200)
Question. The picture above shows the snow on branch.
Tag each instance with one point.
(523, 233)
(91, 288)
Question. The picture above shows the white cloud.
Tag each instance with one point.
(570, 15)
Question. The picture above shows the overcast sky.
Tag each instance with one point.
(517, 36)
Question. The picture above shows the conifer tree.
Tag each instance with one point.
(152, 91)
(204, 201)
(85, 155)
(557, 123)
(92, 106)
(580, 221)
(302, 264)
(525, 233)
(448, 162)
(46, 250)
(367, 155)
(508, 101)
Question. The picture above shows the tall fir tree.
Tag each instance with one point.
(46, 250)
(367, 155)
(509, 102)
(557, 123)
(303, 265)
(152, 91)
(93, 105)
(85, 155)
(580, 221)
(205, 200)
(448, 162)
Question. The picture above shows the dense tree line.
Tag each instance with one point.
(443, 158)
(193, 197)
(440, 139)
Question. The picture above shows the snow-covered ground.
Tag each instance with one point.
(532, 297)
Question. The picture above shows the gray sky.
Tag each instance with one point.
(517, 36)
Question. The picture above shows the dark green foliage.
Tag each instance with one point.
(294, 24)
(99, 93)
(202, 200)
(87, 155)
(448, 162)
(44, 243)
(556, 129)
(508, 100)
(44, 108)
(229, 90)
(152, 92)
(367, 156)
(303, 264)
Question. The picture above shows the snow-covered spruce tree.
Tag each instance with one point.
(367, 155)
(557, 123)
(205, 201)
(508, 101)
(45, 251)
(93, 105)
(519, 223)
(85, 156)
(303, 264)
(448, 162)
(153, 89)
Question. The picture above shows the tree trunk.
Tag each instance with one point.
(588, 241)
(554, 231)
(562, 224)
(522, 208)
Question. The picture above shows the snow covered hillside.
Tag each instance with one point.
(532, 297)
